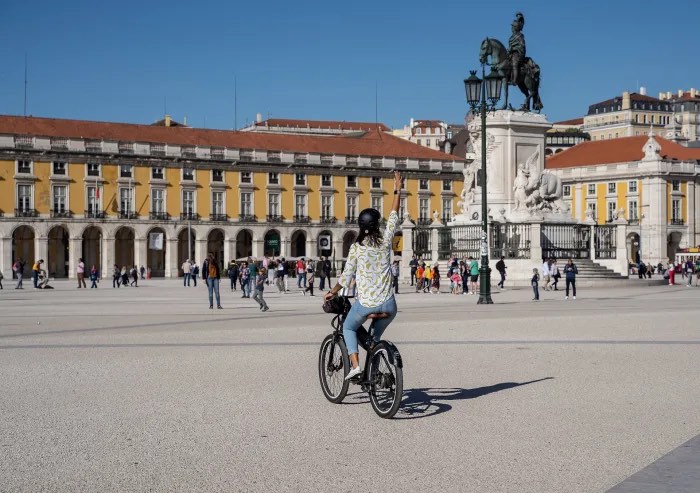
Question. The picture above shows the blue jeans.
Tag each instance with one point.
(358, 315)
(213, 285)
(245, 287)
(186, 279)
(301, 278)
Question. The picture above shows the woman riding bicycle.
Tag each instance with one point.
(369, 261)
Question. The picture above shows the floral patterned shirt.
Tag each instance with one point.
(371, 267)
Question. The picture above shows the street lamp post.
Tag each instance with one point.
(482, 96)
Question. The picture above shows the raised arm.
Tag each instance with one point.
(398, 183)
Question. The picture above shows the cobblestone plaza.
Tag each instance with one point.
(145, 389)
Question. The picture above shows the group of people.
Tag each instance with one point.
(461, 274)
(120, 277)
(550, 275)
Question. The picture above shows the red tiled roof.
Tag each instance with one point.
(374, 143)
(322, 124)
(622, 150)
(572, 122)
(427, 123)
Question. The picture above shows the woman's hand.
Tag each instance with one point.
(398, 181)
(329, 295)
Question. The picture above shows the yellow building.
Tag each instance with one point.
(126, 194)
(648, 181)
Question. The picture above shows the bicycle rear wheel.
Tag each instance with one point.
(333, 366)
(386, 381)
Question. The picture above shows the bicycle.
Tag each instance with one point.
(382, 377)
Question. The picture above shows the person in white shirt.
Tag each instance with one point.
(187, 270)
(546, 275)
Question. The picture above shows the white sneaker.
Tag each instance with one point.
(353, 373)
(566, 297)
(574, 297)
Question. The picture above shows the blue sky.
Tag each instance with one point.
(321, 60)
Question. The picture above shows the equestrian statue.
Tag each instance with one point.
(513, 66)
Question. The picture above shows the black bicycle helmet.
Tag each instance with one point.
(368, 220)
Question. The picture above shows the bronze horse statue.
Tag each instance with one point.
(528, 78)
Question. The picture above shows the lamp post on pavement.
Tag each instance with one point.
(482, 96)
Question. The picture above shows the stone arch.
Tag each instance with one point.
(58, 252)
(244, 243)
(185, 247)
(215, 244)
(297, 243)
(23, 247)
(155, 258)
(348, 239)
(548, 151)
(124, 246)
(272, 243)
(92, 247)
(558, 151)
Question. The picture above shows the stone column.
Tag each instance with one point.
(171, 260)
(6, 258)
(200, 251)
(229, 251)
(75, 252)
(108, 256)
(258, 249)
(140, 252)
(656, 223)
(311, 246)
(434, 238)
(692, 219)
(592, 242)
(536, 243)
(578, 202)
(284, 246)
(621, 247)
(407, 252)
(42, 251)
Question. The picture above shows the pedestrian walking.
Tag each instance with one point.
(143, 272)
(427, 279)
(134, 277)
(125, 276)
(116, 276)
(280, 274)
(187, 272)
(501, 268)
(36, 267)
(435, 289)
(81, 274)
(93, 277)
(456, 282)
(194, 273)
(309, 279)
(233, 274)
(671, 273)
(413, 264)
(689, 267)
(260, 288)
(697, 271)
(473, 273)
(556, 275)
(301, 272)
(18, 269)
(535, 283)
(546, 276)
(318, 272)
(464, 272)
(570, 271)
(394, 276)
(1, 278)
(419, 277)
(211, 275)
(243, 275)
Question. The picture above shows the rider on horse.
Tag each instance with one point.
(516, 47)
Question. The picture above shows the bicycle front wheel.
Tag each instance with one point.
(333, 366)
(386, 381)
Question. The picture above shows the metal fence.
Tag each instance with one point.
(422, 243)
(605, 240)
(565, 241)
(509, 240)
(459, 241)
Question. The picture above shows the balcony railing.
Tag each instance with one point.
(127, 215)
(53, 213)
(423, 221)
(24, 142)
(93, 146)
(126, 148)
(26, 212)
(94, 214)
(247, 218)
(157, 150)
(188, 152)
(218, 217)
(350, 219)
(302, 219)
(677, 221)
(217, 153)
(189, 216)
(159, 216)
(271, 218)
(328, 220)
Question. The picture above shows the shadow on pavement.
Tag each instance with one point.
(427, 402)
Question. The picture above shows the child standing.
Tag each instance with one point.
(259, 288)
(535, 281)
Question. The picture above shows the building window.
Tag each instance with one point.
(633, 186)
(592, 208)
(326, 180)
(567, 190)
(157, 201)
(632, 212)
(60, 199)
(423, 184)
(446, 185)
(418, 141)
(273, 204)
(24, 198)
(351, 207)
(93, 169)
(246, 177)
(59, 168)
(125, 171)
(187, 174)
(188, 202)
(376, 182)
(217, 203)
(377, 203)
(157, 173)
(446, 209)
(326, 206)
(24, 167)
(676, 185)
(126, 203)
(300, 205)
(273, 179)
(423, 209)
(300, 179)
(246, 204)
(675, 210)
(217, 175)
(93, 200)
(591, 189)
(612, 207)
(427, 142)
(352, 181)
(612, 187)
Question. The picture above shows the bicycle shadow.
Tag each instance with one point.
(427, 402)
